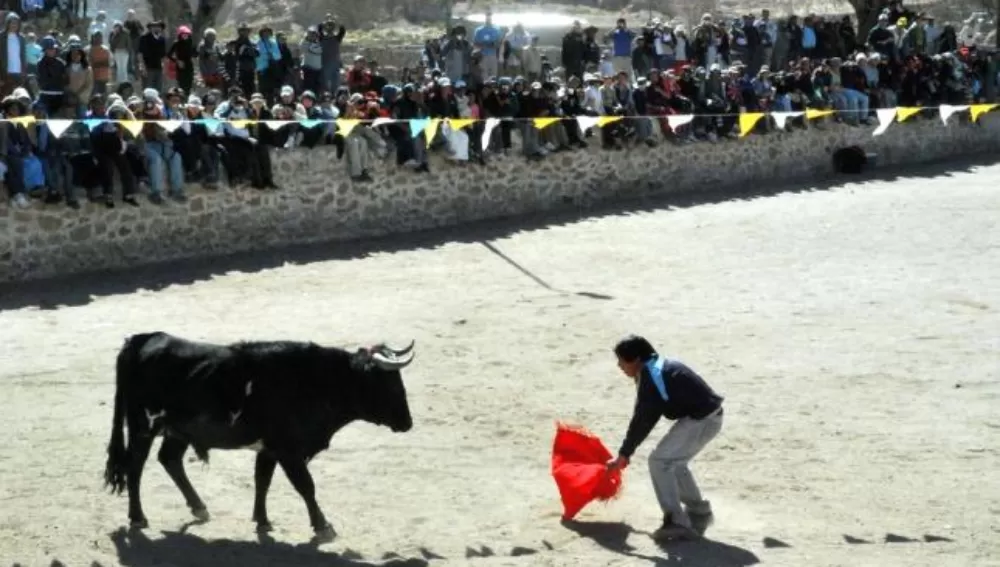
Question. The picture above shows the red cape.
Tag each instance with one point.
(579, 467)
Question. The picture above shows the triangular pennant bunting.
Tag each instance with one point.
(459, 123)
(678, 120)
(345, 125)
(812, 113)
(170, 126)
(92, 123)
(382, 121)
(977, 110)
(58, 127)
(310, 123)
(241, 124)
(904, 112)
(885, 118)
(418, 125)
(276, 125)
(947, 110)
(431, 130)
(748, 120)
(545, 121)
(586, 122)
(133, 126)
(781, 118)
(603, 121)
(491, 124)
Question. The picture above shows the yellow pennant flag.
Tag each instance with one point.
(459, 123)
(977, 110)
(241, 124)
(748, 120)
(345, 125)
(904, 112)
(431, 130)
(812, 113)
(545, 122)
(133, 126)
(603, 121)
(24, 120)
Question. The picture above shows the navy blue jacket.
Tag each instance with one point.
(688, 395)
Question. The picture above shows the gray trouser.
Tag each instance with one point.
(355, 154)
(668, 465)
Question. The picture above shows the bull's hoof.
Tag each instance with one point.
(201, 514)
(264, 527)
(325, 534)
(140, 524)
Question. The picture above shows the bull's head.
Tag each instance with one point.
(385, 399)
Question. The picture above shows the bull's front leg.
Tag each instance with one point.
(298, 474)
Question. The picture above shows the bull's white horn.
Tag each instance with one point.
(391, 363)
(403, 352)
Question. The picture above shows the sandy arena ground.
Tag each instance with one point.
(854, 331)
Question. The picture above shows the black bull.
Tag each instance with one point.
(283, 399)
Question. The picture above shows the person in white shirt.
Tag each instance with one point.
(13, 55)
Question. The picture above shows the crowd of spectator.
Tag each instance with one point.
(204, 103)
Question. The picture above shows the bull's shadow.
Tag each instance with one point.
(179, 548)
(613, 536)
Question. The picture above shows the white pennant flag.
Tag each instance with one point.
(382, 122)
(277, 124)
(586, 122)
(58, 127)
(170, 125)
(678, 120)
(947, 110)
(885, 118)
(491, 123)
(780, 118)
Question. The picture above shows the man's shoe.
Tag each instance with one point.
(674, 532)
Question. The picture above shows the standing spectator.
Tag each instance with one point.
(182, 54)
(457, 54)
(13, 55)
(621, 39)
(151, 51)
(311, 51)
(51, 76)
(487, 39)
(32, 53)
(531, 61)
(99, 57)
(330, 37)
(767, 30)
(210, 61)
(516, 42)
(246, 60)
(573, 48)
(79, 78)
(100, 24)
(134, 28)
(120, 44)
(268, 63)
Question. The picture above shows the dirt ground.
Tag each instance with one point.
(854, 331)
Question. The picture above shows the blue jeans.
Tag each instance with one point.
(857, 105)
(58, 175)
(158, 156)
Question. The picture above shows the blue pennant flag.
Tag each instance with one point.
(92, 123)
(310, 123)
(418, 125)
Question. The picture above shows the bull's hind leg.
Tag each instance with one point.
(298, 475)
(263, 473)
(171, 456)
(139, 444)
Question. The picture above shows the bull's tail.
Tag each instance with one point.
(116, 469)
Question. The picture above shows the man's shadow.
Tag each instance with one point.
(704, 552)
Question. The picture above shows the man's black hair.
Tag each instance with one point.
(634, 347)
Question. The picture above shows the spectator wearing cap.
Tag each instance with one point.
(79, 78)
(311, 52)
(163, 161)
(13, 55)
(152, 50)
(15, 146)
(269, 67)
(914, 40)
(204, 154)
(120, 44)
(246, 60)
(357, 156)
(706, 42)
(457, 55)
(100, 59)
(110, 145)
(182, 54)
(51, 76)
(210, 62)
(882, 39)
(331, 36)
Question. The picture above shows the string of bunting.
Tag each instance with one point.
(430, 126)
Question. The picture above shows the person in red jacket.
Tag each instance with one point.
(359, 79)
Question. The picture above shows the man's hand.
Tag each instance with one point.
(617, 463)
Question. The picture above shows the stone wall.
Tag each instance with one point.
(317, 202)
